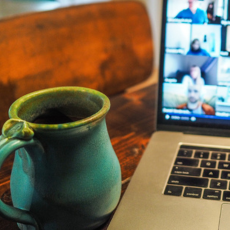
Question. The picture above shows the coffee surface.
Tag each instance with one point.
(54, 116)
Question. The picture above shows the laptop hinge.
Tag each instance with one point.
(219, 133)
(196, 130)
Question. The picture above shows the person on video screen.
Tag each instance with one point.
(210, 12)
(197, 15)
(195, 49)
(194, 77)
(194, 103)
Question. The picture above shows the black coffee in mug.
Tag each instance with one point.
(55, 116)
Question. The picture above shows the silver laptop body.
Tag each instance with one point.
(147, 204)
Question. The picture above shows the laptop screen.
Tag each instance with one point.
(195, 64)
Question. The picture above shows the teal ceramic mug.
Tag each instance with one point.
(66, 174)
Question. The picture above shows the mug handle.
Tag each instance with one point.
(16, 134)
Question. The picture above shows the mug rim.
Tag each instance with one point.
(100, 114)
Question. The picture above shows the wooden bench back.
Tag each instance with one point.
(105, 46)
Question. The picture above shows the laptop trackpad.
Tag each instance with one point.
(224, 217)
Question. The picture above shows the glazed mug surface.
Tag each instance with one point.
(65, 174)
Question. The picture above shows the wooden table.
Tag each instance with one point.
(130, 124)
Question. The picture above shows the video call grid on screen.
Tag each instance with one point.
(197, 60)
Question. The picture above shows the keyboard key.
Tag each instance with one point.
(188, 181)
(226, 196)
(212, 194)
(212, 173)
(224, 165)
(173, 190)
(218, 156)
(184, 153)
(225, 175)
(220, 184)
(208, 164)
(186, 171)
(201, 154)
(186, 162)
(192, 192)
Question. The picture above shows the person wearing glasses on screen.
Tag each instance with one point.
(195, 49)
(197, 15)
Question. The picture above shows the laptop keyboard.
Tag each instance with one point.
(200, 172)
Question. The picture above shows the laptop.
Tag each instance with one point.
(183, 179)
